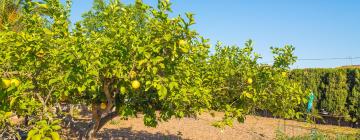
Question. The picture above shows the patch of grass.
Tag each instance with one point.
(317, 135)
(115, 122)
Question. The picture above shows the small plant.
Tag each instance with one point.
(316, 135)
(115, 122)
(7, 130)
(4, 118)
(280, 135)
(45, 130)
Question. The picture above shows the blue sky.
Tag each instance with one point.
(316, 28)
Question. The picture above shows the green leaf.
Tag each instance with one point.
(248, 95)
(51, 81)
(36, 137)
(157, 59)
(173, 84)
(162, 65)
(55, 135)
(162, 92)
(31, 133)
(141, 62)
(42, 122)
(56, 127)
(56, 122)
(8, 114)
(154, 70)
(47, 31)
(81, 89)
(82, 62)
(122, 90)
(13, 100)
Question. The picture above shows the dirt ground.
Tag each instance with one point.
(254, 128)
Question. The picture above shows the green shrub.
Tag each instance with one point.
(337, 91)
(354, 94)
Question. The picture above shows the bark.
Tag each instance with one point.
(106, 119)
(101, 117)
(109, 97)
(96, 124)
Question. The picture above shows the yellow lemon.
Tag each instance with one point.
(132, 74)
(284, 74)
(103, 106)
(135, 84)
(5, 83)
(249, 81)
(15, 82)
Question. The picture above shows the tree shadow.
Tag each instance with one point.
(129, 134)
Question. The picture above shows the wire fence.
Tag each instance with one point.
(345, 61)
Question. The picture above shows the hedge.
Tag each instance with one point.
(337, 91)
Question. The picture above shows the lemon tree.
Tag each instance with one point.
(136, 59)
(30, 66)
(241, 85)
(126, 60)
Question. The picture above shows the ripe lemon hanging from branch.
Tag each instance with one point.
(135, 84)
(5, 83)
(103, 106)
(249, 81)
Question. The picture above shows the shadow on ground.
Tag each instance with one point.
(129, 134)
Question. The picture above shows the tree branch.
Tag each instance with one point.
(109, 98)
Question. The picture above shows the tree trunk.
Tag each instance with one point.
(101, 117)
(98, 121)
(94, 125)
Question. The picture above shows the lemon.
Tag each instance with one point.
(284, 74)
(135, 84)
(5, 83)
(249, 81)
(103, 106)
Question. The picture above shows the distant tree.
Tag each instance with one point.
(354, 97)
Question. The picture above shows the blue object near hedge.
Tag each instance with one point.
(310, 103)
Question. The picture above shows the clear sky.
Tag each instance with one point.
(316, 28)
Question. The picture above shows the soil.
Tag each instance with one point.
(254, 128)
